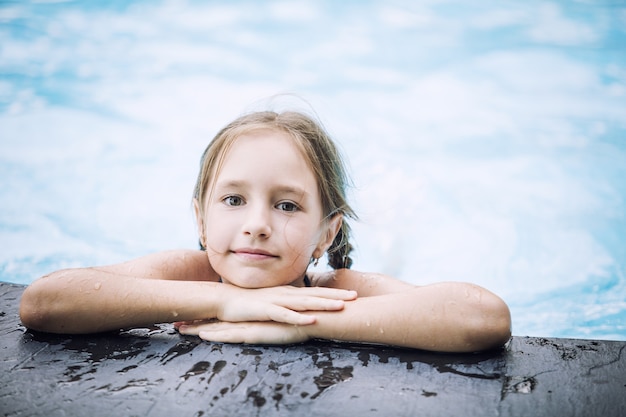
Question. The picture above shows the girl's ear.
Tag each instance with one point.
(328, 236)
(199, 221)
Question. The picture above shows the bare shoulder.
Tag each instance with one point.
(181, 265)
(364, 283)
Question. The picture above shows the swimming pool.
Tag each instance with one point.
(486, 143)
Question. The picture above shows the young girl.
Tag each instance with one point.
(269, 201)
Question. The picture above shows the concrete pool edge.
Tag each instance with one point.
(155, 371)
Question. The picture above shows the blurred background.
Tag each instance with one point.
(486, 141)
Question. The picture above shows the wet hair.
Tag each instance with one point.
(321, 155)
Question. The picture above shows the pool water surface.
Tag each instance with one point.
(486, 142)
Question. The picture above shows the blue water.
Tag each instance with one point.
(486, 141)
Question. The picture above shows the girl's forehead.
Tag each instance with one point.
(265, 152)
(278, 142)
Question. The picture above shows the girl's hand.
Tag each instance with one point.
(246, 332)
(280, 304)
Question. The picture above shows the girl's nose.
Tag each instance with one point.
(257, 223)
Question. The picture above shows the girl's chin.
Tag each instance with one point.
(246, 285)
(257, 283)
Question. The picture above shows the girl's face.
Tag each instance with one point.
(263, 218)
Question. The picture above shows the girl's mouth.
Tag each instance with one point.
(252, 254)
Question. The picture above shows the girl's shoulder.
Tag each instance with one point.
(364, 283)
(177, 265)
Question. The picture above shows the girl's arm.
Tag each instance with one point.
(447, 317)
(163, 287)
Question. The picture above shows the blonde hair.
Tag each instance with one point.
(320, 153)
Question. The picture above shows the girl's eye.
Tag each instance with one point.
(287, 206)
(233, 200)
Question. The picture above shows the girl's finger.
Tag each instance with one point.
(288, 316)
(254, 332)
(224, 336)
(188, 330)
(313, 303)
(328, 293)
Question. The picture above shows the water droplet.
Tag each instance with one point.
(524, 387)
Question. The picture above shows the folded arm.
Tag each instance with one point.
(159, 288)
(446, 317)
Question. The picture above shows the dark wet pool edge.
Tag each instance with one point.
(155, 371)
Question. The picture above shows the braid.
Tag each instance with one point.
(339, 251)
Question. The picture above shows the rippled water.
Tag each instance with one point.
(486, 141)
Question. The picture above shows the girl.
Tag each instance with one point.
(269, 200)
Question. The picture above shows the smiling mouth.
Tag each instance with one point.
(254, 254)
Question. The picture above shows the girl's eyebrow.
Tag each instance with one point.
(230, 184)
(281, 188)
